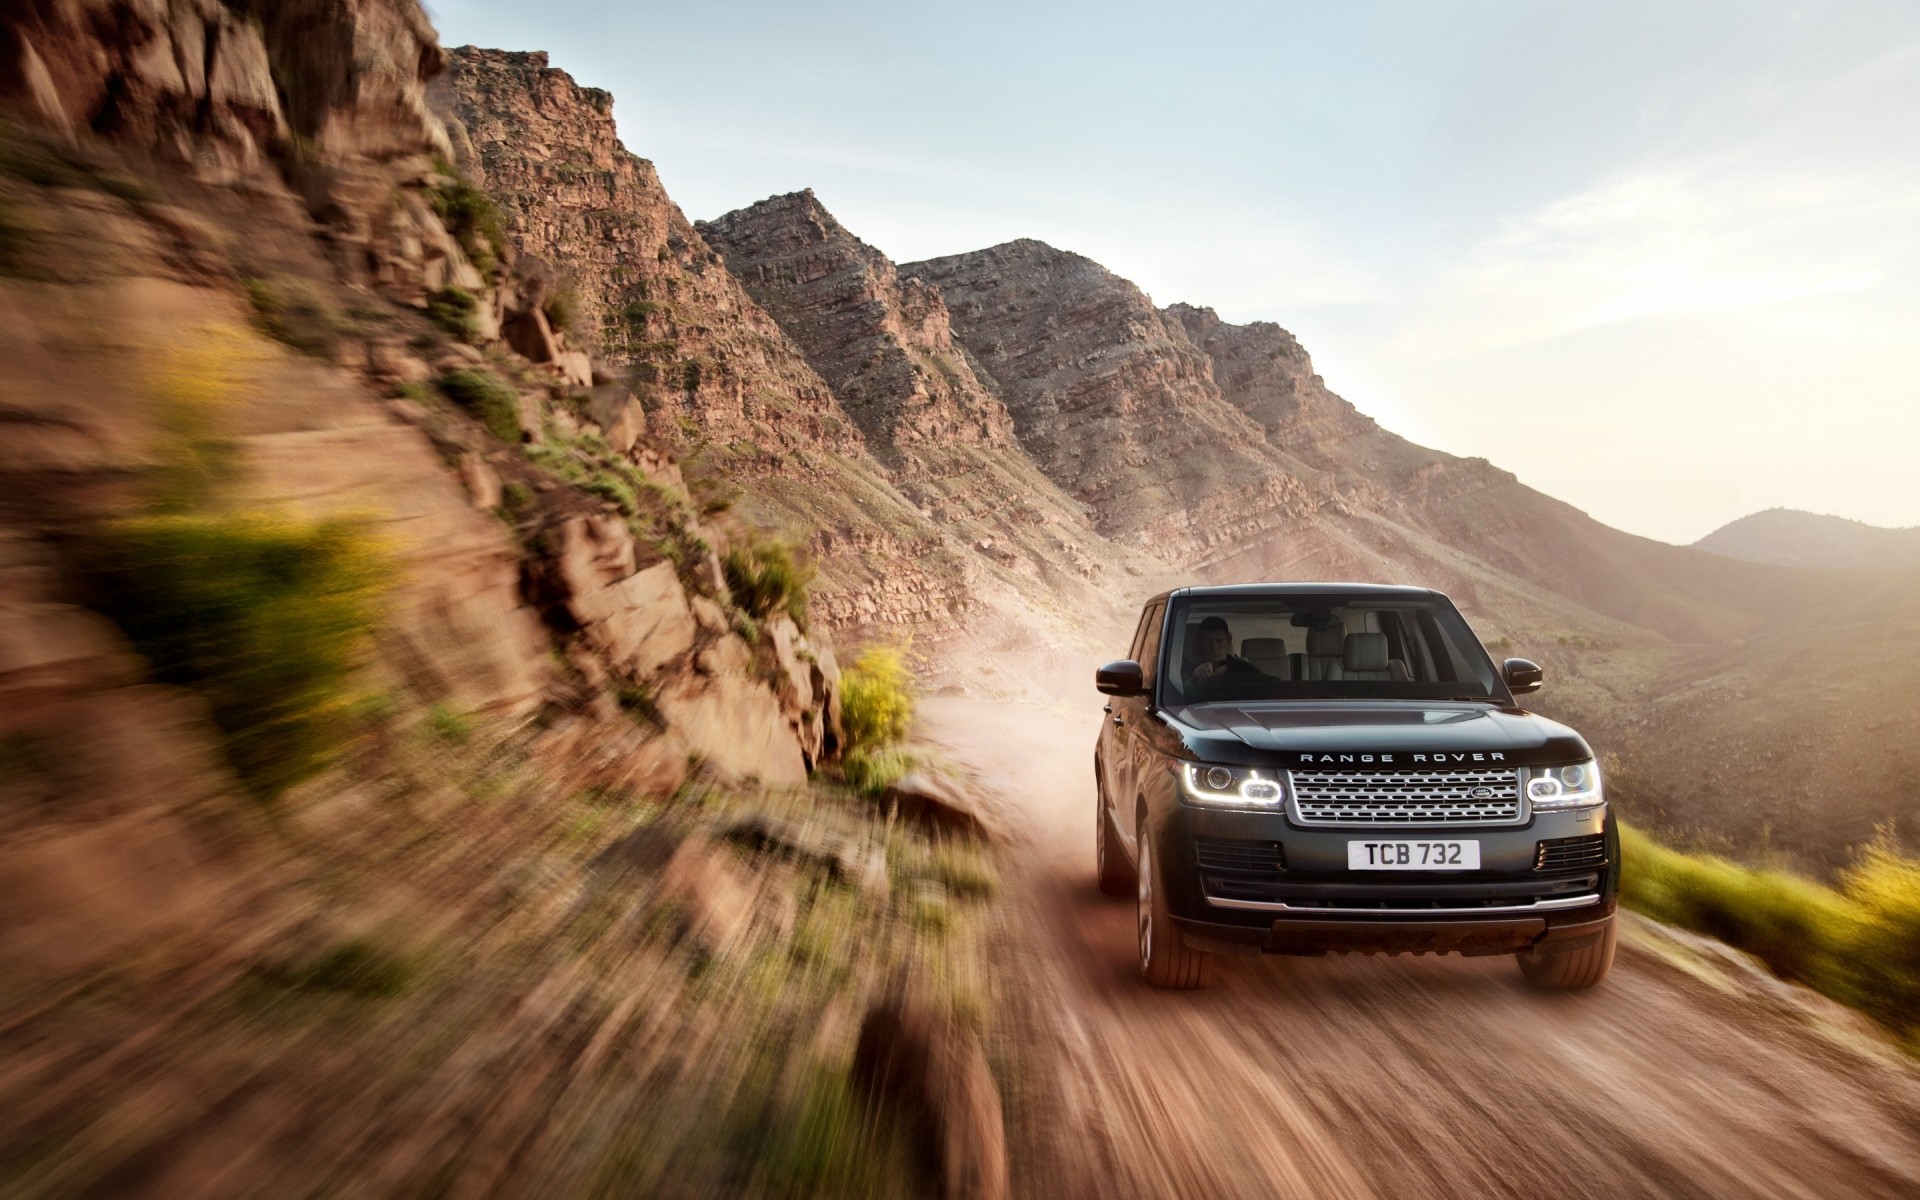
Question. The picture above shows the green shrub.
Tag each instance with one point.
(871, 772)
(353, 968)
(1859, 944)
(562, 307)
(1883, 947)
(456, 311)
(490, 399)
(637, 701)
(1781, 919)
(297, 313)
(473, 220)
(876, 700)
(449, 724)
(263, 615)
(965, 871)
(767, 577)
(609, 486)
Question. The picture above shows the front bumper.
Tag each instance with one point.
(1254, 882)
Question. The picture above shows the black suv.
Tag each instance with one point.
(1303, 768)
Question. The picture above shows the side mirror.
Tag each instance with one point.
(1522, 676)
(1122, 678)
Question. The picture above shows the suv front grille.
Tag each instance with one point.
(1474, 797)
(1571, 854)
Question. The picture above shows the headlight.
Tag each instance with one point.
(1576, 786)
(1231, 787)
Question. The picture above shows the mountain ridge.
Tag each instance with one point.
(1794, 537)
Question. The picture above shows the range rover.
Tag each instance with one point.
(1310, 768)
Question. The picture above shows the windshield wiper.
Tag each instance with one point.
(1475, 699)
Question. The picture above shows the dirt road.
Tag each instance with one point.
(1390, 1077)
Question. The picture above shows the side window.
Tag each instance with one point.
(1149, 656)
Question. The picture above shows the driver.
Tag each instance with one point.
(1213, 653)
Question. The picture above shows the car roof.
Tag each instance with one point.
(1299, 589)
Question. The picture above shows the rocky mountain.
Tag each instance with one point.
(1802, 539)
(1217, 445)
(874, 440)
(884, 344)
(646, 291)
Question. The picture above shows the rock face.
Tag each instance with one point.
(1113, 402)
(160, 154)
(851, 409)
(883, 343)
(649, 292)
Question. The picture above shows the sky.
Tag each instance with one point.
(1659, 258)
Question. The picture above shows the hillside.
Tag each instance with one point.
(839, 411)
(1217, 443)
(1803, 539)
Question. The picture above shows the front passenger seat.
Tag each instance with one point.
(1364, 656)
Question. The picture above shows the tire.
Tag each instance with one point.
(1112, 869)
(1166, 961)
(1569, 970)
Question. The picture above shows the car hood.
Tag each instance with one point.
(1373, 734)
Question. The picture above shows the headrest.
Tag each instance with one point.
(1326, 643)
(1365, 652)
(1265, 649)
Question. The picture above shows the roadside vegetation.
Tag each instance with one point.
(876, 710)
(265, 615)
(1857, 942)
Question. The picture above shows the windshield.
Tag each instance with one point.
(1237, 648)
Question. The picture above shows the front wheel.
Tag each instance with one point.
(1569, 970)
(1166, 961)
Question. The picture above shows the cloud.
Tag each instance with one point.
(1733, 232)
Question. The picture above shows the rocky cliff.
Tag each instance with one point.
(244, 303)
(885, 344)
(641, 284)
(916, 498)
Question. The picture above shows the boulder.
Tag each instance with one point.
(715, 897)
(592, 551)
(852, 860)
(576, 367)
(618, 415)
(735, 723)
(640, 622)
(939, 802)
(796, 673)
(911, 1059)
(530, 335)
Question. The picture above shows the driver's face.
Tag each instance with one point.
(1215, 645)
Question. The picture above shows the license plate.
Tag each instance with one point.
(1400, 855)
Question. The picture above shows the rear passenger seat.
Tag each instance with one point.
(1324, 647)
(1268, 654)
(1364, 656)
